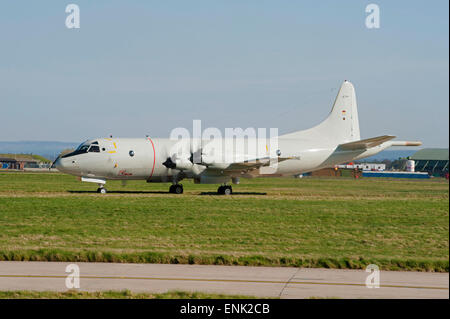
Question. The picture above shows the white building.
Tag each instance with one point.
(365, 166)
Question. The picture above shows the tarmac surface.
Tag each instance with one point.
(277, 282)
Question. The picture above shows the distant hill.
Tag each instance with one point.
(390, 155)
(48, 150)
(21, 156)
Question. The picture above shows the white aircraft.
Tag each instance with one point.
(334, 141)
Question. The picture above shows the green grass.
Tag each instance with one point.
(332, 223)
(124, 294)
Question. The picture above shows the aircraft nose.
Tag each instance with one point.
(58, 164)
(62, 165)
(66, 165)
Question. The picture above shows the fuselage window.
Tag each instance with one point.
(95, 149)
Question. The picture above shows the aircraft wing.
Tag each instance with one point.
(365, 144)
(250, 165)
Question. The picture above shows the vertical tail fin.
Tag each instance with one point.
(341, 125)
(343, 120)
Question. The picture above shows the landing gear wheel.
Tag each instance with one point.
(176, 189)
(225, 190)
(228, 190)
(102, 190)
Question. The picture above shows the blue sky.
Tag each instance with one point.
(145, 67)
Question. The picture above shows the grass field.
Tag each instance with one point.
(310, 222)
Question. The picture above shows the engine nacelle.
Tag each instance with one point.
(183, 164)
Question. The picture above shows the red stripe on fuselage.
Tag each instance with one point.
(154, 157)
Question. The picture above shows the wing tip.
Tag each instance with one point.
(407, 143)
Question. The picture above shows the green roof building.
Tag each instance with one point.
(431, 160)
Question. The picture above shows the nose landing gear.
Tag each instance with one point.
(176, 189)
(225, 190)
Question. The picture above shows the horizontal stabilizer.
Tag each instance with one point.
(365, 144)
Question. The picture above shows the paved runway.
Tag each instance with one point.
(283, 282)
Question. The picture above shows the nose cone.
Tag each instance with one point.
(66, 165)
(58, 164)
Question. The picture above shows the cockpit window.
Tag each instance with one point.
(84, 148)
(94, 148)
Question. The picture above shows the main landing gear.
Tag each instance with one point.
(176, 189)
(225, 190)
(102, 190)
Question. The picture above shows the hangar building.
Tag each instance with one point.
(18, 163)
(431, 160)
